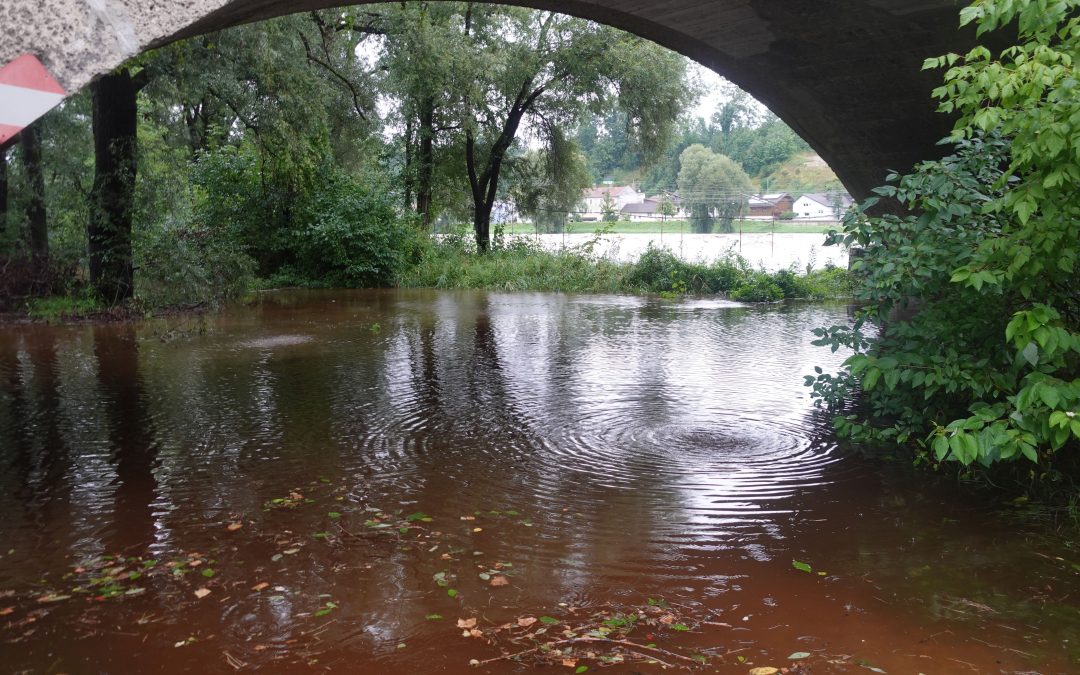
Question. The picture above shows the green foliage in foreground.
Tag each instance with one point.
(976, 358)
(522, 265)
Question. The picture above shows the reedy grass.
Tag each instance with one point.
(521, 265)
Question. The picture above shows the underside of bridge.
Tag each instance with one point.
(845, 74)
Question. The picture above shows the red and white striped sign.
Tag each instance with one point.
(27, 91)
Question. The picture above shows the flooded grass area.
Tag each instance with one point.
(469, 482)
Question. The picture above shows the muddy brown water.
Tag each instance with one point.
(593, 451)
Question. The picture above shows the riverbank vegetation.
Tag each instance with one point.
(521, 265)
(975, 357)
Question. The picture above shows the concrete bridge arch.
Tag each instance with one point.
(845, 74)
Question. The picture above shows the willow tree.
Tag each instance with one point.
(713, 187)
(547, 185)
(542, 72)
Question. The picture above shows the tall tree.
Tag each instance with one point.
(115, 105)
(37, 223)
(712, 186)
(544, 71)
(423, 43)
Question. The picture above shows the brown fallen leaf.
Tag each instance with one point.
(764, 670)
(478, 529)
(569, 663)
(259, 586)
(526, 621)
(195, 563)
(466, 623)
(7, 610)
(667, 619)
(476, 632)
(233, 527)
(202, 593)
(445, 556)
(499, 580)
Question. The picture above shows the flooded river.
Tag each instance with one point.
(404, 482)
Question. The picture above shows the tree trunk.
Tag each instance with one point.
(482, 226)
(409, 178)
(426, 161)
(113, 194)
(3, 189)
(30, 137)
(485, 186)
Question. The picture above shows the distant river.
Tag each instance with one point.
(770, 251)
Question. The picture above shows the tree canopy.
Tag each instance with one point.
(713, 187)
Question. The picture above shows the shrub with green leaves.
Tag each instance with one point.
(975, 355)
(349, 235)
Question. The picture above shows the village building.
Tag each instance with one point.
(770, 206)
(822, 206)
(620, 196)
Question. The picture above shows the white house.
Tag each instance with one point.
(821, 206)
(620, 196)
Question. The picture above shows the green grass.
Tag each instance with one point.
(524, 266)
(672, 227)
(60, 307)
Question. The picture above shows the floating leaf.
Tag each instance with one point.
(208, 573)
(233, 527)
(276, 557)
(53, 597)
(333, 515)
(259, 586)
(581, 669)
(526, 621)
(326, 609)
(795, 656)
(202, 593)
(801, 566)
(500, 581)
(291, 551)
(434, 617)
(764, 670)
(680, 626)
(467, 623)
(418, 516)
(549, 620)
(451, 592)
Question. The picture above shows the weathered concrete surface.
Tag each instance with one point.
(844, 74)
